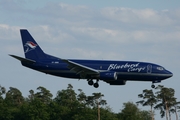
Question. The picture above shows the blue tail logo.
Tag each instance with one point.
(29, 46)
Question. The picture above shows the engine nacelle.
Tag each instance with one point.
(108, 76)
(118, 82)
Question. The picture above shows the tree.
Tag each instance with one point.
(2, 92)
(166, 100)
(32, 95)
(145, 115)
(81, 97)
(107, 114)
(174, 108)
(67, 105)
(130, 111)
(95, 101)
(14, 96)
(4, 111)
(12, 103)
(149, 99)
(44, 95)
(36, 106)
(66, 99)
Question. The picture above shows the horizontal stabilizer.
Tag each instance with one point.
(23, 59)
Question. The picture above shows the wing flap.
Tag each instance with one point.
(79, 68)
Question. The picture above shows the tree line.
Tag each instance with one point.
(69, 105)
(162, 99)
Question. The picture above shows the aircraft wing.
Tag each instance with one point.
(79, 68)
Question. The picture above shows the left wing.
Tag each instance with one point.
(80, 69)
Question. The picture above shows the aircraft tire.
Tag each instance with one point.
(153, 86)
(90, 82)
(96, 85)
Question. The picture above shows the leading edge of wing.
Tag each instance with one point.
(79, 68)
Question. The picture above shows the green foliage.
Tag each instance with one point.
(69, 105)
(167, 102)
(149, 99)
(14, 97)
(132, 112)
(162, 100)
(2, 92)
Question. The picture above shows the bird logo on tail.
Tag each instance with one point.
(29, 46)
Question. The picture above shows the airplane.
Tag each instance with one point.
(109, 71)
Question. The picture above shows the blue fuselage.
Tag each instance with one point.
(126, 70)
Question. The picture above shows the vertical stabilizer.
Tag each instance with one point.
(31, 49)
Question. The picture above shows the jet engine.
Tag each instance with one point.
(118, 82)
(108, 76)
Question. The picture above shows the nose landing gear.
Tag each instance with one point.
(155, 81)
(153, 86)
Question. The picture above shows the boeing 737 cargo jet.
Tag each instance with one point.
(112, 72)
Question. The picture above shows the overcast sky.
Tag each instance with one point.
(118, 30)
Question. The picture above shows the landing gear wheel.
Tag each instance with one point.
(96, 85)
(90, 82)
(153, 86)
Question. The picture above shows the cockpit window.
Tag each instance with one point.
(160, 68)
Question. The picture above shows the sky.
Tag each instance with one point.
(147, 31)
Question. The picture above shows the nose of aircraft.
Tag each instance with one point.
(169, 74)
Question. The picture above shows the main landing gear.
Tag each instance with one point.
(90, 82)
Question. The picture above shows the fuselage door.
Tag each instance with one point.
(149, 68)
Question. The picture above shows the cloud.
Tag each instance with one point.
(58, 26)
(136, 16)
(8, 32)
(60, 12)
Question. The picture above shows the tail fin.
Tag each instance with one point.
(32, 50)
